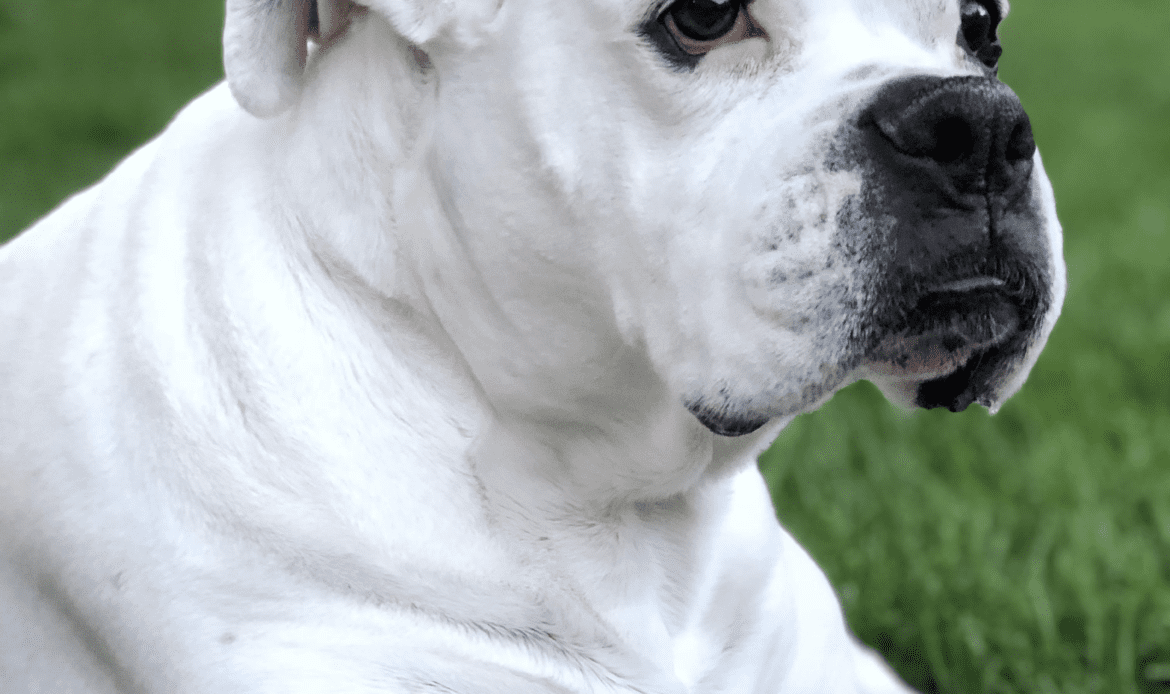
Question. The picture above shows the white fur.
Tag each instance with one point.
(383, 393)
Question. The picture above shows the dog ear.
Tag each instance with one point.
(265, 45)
(264, 49)
(265, 41)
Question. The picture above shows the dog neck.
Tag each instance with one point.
(577, 459)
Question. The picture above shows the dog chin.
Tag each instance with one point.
(952, 379)
(961, 350)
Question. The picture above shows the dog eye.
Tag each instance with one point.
(979, 30)
(700, 26)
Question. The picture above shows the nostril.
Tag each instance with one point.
(953, 140)
(945, 139)
(1020, 144)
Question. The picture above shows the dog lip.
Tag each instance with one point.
(967, 285)
(950, 323)
(724, 422)
(918, 357)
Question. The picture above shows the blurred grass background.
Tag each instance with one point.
(1023, 553)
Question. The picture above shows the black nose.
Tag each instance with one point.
(967, 134)
(951, 160)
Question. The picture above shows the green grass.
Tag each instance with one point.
(82, 82)
(1027, 552)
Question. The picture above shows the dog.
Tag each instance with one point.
(433, 350)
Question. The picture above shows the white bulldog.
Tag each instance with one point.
(432, 352)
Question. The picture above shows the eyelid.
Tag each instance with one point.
(661, 8)
(664, 5)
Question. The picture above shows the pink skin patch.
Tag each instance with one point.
(918, 357)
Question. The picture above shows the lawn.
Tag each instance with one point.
(1027, 552)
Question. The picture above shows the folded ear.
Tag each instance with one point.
(264, 52)
(265, 44)
(265, 41)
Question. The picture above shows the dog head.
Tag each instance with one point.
(768, 199)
